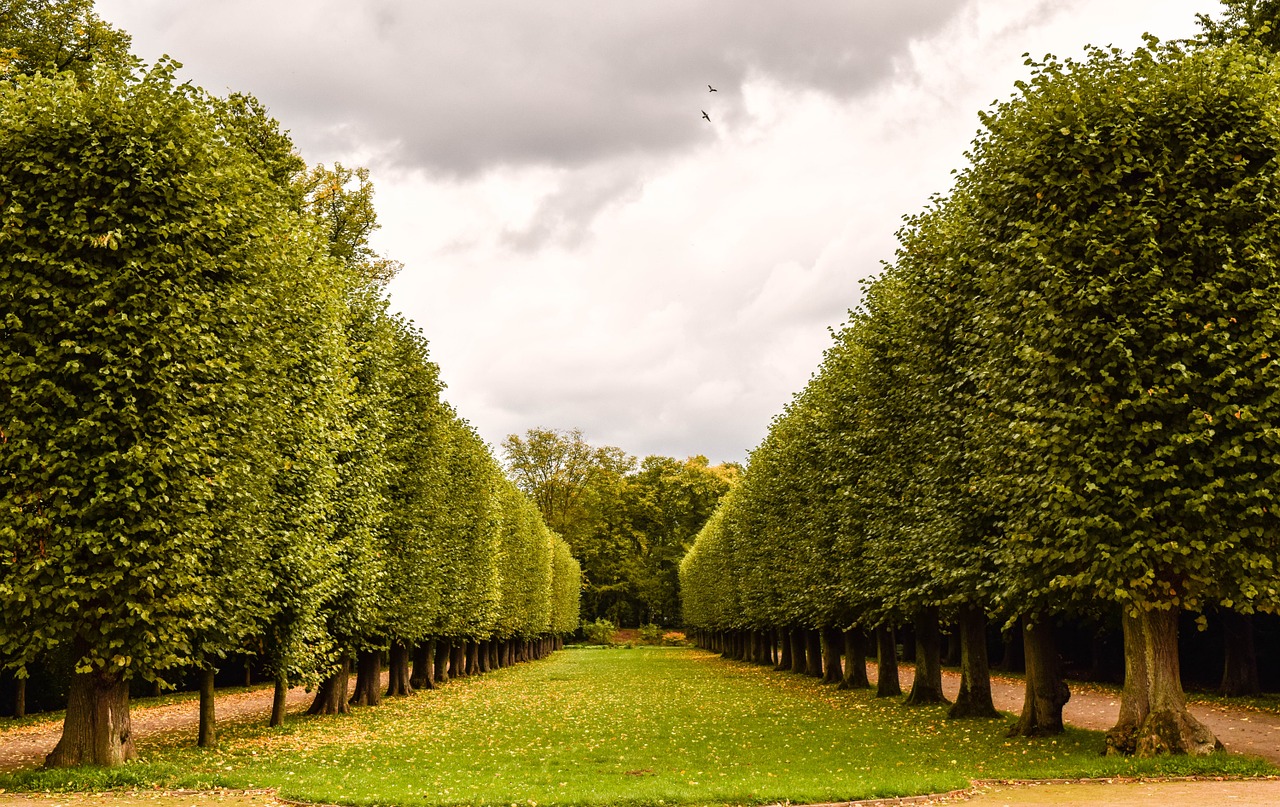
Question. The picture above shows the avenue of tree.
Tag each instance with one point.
(215, 438)
(1061, 401)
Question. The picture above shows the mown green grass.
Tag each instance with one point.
(632, 727)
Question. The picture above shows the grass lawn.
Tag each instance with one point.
(648, 725)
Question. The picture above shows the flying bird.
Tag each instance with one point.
(705, 115)
(711, 89)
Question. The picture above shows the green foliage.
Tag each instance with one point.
(53, 36)
(142, 257)
(1062, 395)
(599, 631)
(627, 527)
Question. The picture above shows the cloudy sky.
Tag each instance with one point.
(581, 247)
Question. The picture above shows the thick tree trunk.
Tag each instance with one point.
(248, 672)
(1240, 660)
(1046, 690)
(784, 654)
(1014, 659)
(855, 660)
(974, 698)
(798, 664)
(96, 729)
(368, 679)
(207, 736)
(398, 678)
(458, 660)
(926, 687)
(331, 697)
(279, 699)
(20, 697)
(887, 684)
(424, 664)
(832, 645)
(1153, 709)
(473, 658)
(444, 652)
(482, 656)
(813, 652)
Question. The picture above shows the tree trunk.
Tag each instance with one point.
(444, 651)
(207, 736)
(798, 664)
(1014, 659)
(96, 729)
(368, 679)
(1153, 709)
(832, 645)
(278, 699)
(784, 655)
(482, 656)
(20, 697)
(458, 660)
(813, 653)
(855, 660)
(424, 665)
(398, 679)
(926, 687)
(248, 672)
(331, 697)
(473, 658)
(974, 698)
(887, 684)
(1240, 662)
(1046, 690)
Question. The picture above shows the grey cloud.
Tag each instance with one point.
(456, 88)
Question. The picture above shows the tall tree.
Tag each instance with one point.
(155, 252)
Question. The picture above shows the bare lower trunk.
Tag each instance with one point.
(368, 679)
(20, 698)
(458, 660)
(797, 651)
(473, 662)
(278, 699)
(832, 645)
(1153, 709)
(887, 685)
(424, 666)
(1046, 690)
(1240, 659)
(855, 660)
(398, 671)
(96, 729)
(207, 737)
(784, 654)
(813, 652)
(974, 698)
(926, 687)
(443, 653)
(482, 657)
(1013, 660)
(331, 697)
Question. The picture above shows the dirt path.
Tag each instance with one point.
(26, 746)
(1241, 731)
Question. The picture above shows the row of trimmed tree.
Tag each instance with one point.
(215, 436)
(1061, 401)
